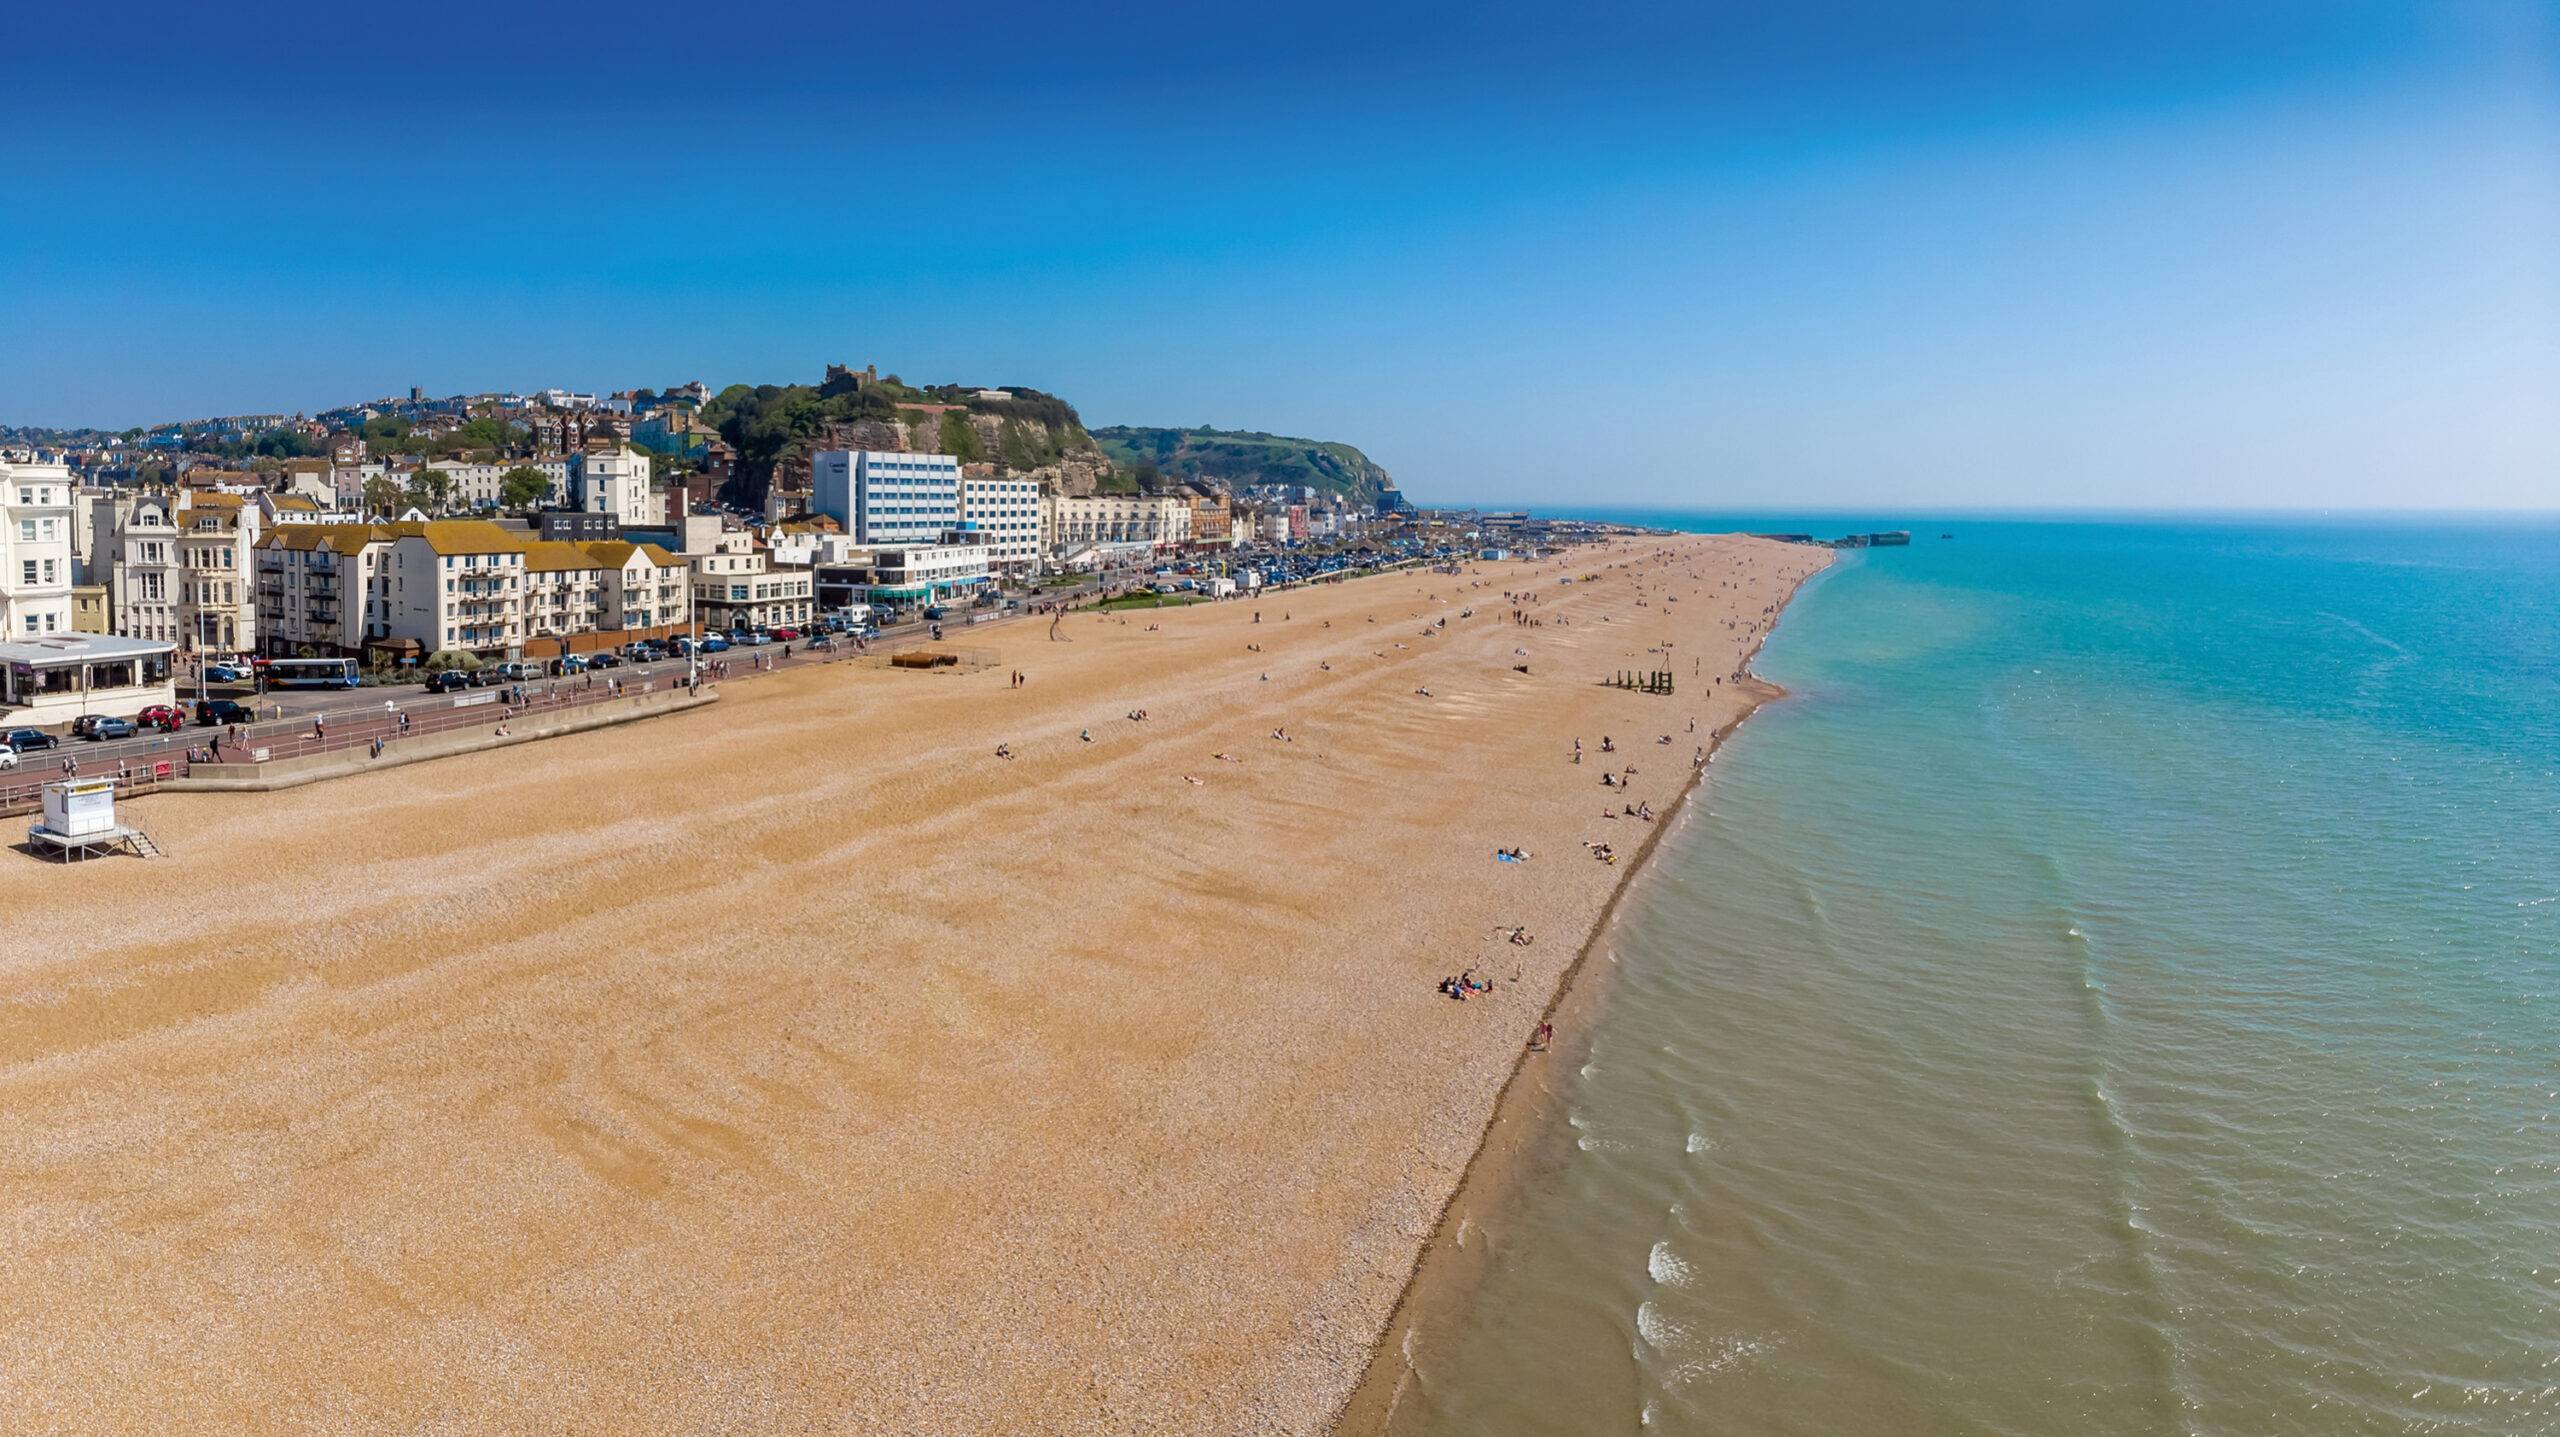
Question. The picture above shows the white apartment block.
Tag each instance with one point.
(887, 498)
(36, 513)
(603, 587)
(316, 589)
(456, 585)
(1005, 515)
(1163, 520)
(615, 482)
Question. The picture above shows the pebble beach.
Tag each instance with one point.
(869, 1051)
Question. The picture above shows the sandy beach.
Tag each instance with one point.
(802, 1064)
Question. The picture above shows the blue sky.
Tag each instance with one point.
(2169, 255)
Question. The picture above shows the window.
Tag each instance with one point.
(27, 571)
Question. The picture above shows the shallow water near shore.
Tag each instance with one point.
(2114, 993)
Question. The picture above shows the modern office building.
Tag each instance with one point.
(887, 498)
(1005, 515)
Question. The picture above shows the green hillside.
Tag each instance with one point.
(1242, 457)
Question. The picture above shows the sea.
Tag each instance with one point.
(2116, 991)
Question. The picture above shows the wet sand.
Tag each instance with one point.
(800, 1064)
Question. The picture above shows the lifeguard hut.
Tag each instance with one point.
(79, 821)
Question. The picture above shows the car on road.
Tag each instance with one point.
(487, 677)
(786, 634)
(29, 740)
(168, 718)
(448, 681)
(570, 664)
(604, 661)
(8, 758)
(224, 674)
(97, 728)
(933, 611)
(212, 713)
(519, 672)
(714, 644)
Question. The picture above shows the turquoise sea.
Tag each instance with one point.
(2117, 992)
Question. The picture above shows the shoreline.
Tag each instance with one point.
(1525, 1123)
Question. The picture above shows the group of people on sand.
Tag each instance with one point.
(1465, 985)
(1601, 851)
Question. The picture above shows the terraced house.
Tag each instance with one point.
(217, 540)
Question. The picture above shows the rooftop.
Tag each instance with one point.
(63, 649)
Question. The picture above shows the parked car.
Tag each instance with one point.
(714, 644)
(29, 740)
(450, 681)
(212, 713)
(99, 727)
(168, 718)
(487, 677)
(786, 634)
(933, 611)
(224, 674)
(570, 664)
(8, 758)
(519, 672)
(604, 661)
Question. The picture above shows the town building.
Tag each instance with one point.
(453, 586)
(36, 514)
(905, 574)
(51, 680)
(1075, 520)
(316, 589)
(216, 543)
(89, 609)
(1005, 515)
(735, 586)
(1212, 520)
(886, 497)
(596, 594)
(615, 481)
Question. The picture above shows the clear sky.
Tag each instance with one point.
(2035, 254)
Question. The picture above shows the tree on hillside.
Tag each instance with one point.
(383, 496)
(522, 487)
(432, 490)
